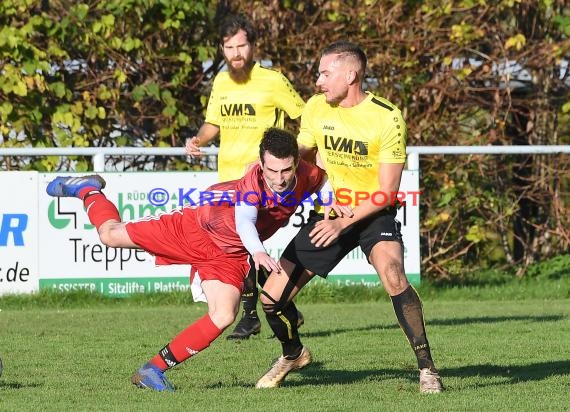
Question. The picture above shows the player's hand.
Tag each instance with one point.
(340, 210)
(327, 231)
(263, 259)
(192, 148)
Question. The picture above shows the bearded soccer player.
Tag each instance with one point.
(221, 238)
(245, 100)
(372, 162)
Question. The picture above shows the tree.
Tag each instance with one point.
(101, 73)
(464, 72)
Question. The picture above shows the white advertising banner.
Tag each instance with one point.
(18, 232)
(71, 257)
(76, 259)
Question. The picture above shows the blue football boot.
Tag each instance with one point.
(151, 377)
(70, 186)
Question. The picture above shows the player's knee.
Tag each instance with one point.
(272, 308)
(222, 319)
(266, 303)
(395, 278)
(268, 308)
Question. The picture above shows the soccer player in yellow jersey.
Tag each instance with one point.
(360, 140)
(245, 100)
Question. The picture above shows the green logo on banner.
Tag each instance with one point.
(58, 223)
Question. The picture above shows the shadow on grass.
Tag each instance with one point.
(318, 374)
(493, 319)
(434, 322)
(332, 332)
(16, 385)
(514, 373)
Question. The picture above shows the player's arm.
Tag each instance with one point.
(246, 217)
(389, 177)
(288, 100)
(205, 135)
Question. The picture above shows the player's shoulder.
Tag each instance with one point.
(222, 77)
(303, 166)
(307, 169)
(265, 67)
(263, 70)
(316, 100)
(251, 177)
(228, 185)
(382, 103)
(383, 109)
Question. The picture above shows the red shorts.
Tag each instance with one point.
(176, 238)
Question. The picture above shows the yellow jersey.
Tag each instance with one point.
(244, 111)
(353, 141)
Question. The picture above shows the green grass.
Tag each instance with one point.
(496, 350)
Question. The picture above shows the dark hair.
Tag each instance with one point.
(346, 48)
(280, 143)
(232, 23)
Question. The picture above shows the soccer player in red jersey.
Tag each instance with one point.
(216, 237)
(245, 99)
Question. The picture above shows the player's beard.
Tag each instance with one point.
(242, 74)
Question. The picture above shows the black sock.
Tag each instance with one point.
(409, 312)
(284, 326)
(250, 294)
(249, 302)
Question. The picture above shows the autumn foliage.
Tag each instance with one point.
(138, 72)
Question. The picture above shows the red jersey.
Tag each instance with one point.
(216, 213)
(205, 236)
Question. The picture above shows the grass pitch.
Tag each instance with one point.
(78, 352)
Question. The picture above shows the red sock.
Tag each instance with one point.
(85, 191)
(100, 209)
(187, 343)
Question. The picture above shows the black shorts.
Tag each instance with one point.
(366, 234)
